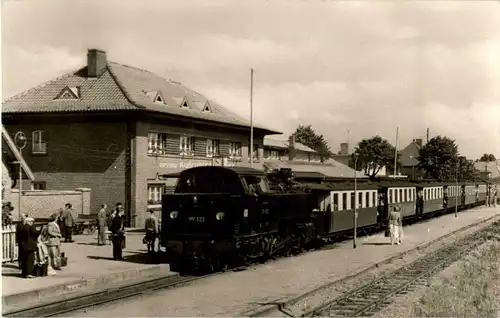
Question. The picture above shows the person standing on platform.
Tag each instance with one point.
(151, 230)
(28, 236)
(68, 222)
(395, 225)
(101, 225)
(54, 242)
(117, 229)
(19, 227)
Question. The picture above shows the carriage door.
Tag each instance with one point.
(420, 201)
(383, 206)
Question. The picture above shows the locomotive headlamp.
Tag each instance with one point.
(174, 214)
(219, 216)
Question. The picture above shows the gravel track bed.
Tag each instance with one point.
(338, 290)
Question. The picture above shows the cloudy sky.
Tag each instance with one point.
(366, 66)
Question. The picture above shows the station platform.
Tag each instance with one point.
(237, 294)
(90, 267)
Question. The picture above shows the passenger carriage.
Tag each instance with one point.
(453, 195)
(470, 194)
(433, 197)
(402, 194)
(342, 203)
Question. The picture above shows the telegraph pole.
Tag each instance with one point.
(251, 118)
(355, 215)
(456, 197)
(396, 152)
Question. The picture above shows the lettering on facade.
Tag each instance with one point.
(188, 165)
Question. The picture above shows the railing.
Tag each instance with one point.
(9, 248)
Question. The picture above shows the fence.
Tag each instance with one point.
(9, 248)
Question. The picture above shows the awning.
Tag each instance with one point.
(14, 156)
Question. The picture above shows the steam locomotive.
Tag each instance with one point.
(218, 216)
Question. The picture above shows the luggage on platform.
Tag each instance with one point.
(63, 260)
(41, 270)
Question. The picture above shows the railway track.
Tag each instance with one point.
(61, 307)
(374, 295)
(370, 298)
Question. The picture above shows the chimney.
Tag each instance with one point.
(418, 142)
(291, 147)
(344, 148)
(96, 62)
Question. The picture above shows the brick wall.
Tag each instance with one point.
(146, 167)
(79, 155)
(41, 204)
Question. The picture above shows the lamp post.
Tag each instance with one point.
(355, 215)
(20, 140)
(456, 197)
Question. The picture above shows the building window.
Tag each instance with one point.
(213, 147)
(157, 143)
(39, 146)
(155, 192)
(255, 152)
(186, 146)
(235, 149)
(274, 154)
(39, 185)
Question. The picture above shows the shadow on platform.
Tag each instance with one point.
(138, 258)
(377, 243)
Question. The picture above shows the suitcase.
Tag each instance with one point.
(63, 260)
(41, 270)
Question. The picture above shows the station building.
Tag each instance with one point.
(115, 129)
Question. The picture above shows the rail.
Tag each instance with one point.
(373, 296)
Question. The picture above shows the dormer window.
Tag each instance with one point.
(69, 93)
(159, 99)
(155, 97)
(207, 108)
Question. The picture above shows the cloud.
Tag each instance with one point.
(363, 66)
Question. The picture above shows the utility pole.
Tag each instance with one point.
(427, 135)
(396, 152)
(20, 140)
(355, 215)
(456, 197)
(251, 118)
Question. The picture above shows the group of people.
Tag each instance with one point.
(115, 222)
(38, 247)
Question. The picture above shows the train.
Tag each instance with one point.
(219, 217)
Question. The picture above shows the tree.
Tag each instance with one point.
(307, 136)
(487, 158)
(373, 154)
(466, 170)
(439, 158)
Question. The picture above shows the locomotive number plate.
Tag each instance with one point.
(196, 219)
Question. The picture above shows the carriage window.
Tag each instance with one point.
(367, 200)
(374, 198)
(360, 200)
(344, 201)
(335, 202)
(400, 195)
(353, 202)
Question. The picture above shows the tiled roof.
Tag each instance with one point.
(283, 144)
(409, 155)
(121, 88)
(330, 169)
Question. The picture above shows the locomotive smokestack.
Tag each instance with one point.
(291, 147)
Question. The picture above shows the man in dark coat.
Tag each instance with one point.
(118, 230)
(19, 226)
(68, 222)
(28, 236)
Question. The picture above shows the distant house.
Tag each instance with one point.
(408, 160)
(301, 159)
(488, 170)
